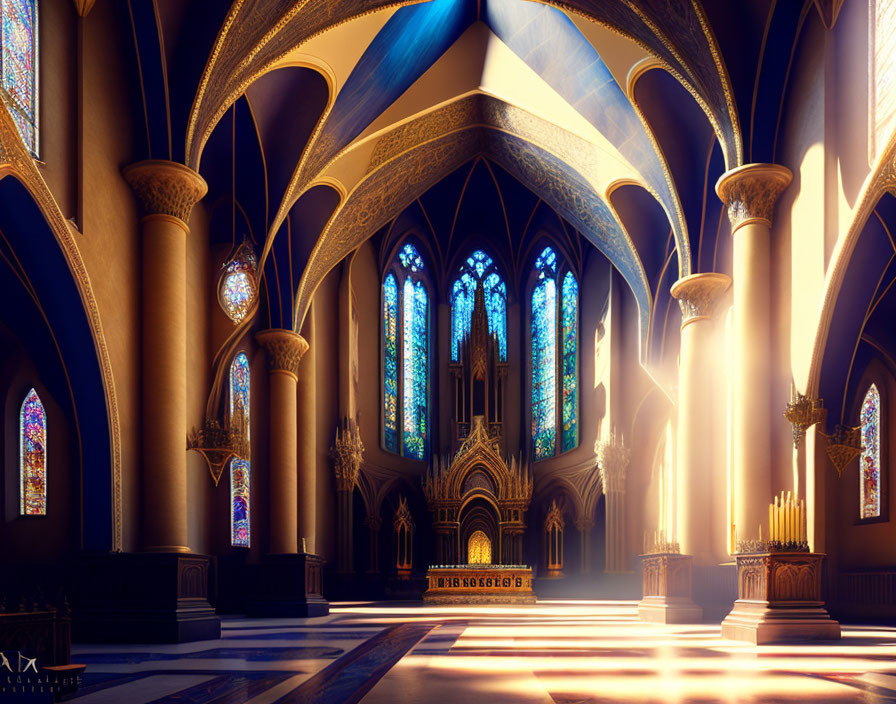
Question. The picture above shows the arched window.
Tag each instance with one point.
(18, 65)
(239, 469)
(869, 476)
(406, 356)
(554, 356)
(403, 523)
(478, 269)
(32, 457)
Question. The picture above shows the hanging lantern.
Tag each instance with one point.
(238, 285)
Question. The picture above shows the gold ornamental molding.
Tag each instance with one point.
(750, 192)
(699, 294)
(347, 453)
(165, 188)
(16, 161)
(802, 413)
(284, 349)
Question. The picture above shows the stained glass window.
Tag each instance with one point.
(239, 469)
(18, 65)
(32, 457)
(544, 355)
(478, 269)
(390, 363)
(869, 477)
(569, 316)
(238, 285)
(554, 338)
(406, 351)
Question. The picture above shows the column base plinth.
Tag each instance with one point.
(779, 600)
(667, 590)
(143, 598)
(288, 585)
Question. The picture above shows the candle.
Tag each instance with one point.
(771, 522)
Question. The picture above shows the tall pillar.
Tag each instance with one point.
(167, 192)
(307, 446)
(698, 296)
(584, 526)
(614, 461)
(374, 523)
(750, 193)
(347, 453)
(160, 594)
(286, 582)
(284, 349)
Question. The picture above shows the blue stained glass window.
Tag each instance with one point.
(390, 363)
(569, 316)
(478, 268)
(869, 476)
(32, 456)
(406, 356)
(554, 357)
(18, 65)
(544, 356)
(239, 469)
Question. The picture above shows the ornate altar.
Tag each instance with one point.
(779, 599)
(479, 584)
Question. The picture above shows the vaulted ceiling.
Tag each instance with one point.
(316, 122)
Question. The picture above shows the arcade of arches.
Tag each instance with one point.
(445, 302)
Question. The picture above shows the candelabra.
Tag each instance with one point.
(803, 412)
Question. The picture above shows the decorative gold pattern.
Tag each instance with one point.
(614, 458)
(699, 294)
(750, 192)
(347, 453)
(284, 349)
(485, 584)
(16, 161)
(845, 444)
(802, 413)
(218, 442)
(165, 187)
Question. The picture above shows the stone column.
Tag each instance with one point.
(284, 349)
(698, 296)
(614, 459)
(167, 192)
(307, 446)
(347, 453)
(584, 526)
(750, 193)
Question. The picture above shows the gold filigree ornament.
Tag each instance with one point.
(218, 443)
(845, 444)
(802, 413)
(238, 285)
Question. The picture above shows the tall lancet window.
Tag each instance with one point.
(239, 469)
(478, 270)
(32, 456)
(554, 334)
(18, 65)
(869, 476)
(406, 351)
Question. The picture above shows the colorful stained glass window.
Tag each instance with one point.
(544, 355)
(32, 457)
(869, 477)
(569, 320)
(18, 65)
(478, 269)
(390, 363)
(238, 286)
(406, 356)
(239, 469)
(554, 338)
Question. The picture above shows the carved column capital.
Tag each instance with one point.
(284, 349)
(165, 188)
(751, 191)
(347, 452)
(699, 294)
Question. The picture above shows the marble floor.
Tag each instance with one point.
(556, 652)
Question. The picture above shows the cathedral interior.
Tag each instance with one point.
(447, 350)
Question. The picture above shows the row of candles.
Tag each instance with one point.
(786, 519)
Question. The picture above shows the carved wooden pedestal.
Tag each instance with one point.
(144, 598)
(667, 590)
(288, 585)
(779, 600)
